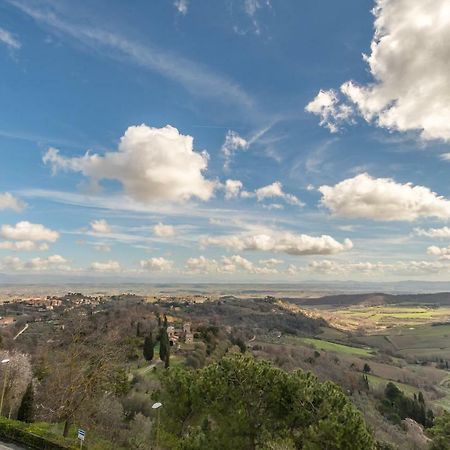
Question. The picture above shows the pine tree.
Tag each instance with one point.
(25, 413)
(148, 347)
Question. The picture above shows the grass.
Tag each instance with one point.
(376, 381)
(338, 348)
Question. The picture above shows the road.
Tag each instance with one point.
(4, 446)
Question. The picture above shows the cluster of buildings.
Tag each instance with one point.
(183, 334)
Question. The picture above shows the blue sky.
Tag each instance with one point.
(242, 140)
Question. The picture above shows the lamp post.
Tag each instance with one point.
(4, 361)
(157, 406)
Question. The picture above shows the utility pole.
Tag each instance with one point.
(157, 406)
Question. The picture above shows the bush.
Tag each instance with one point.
(32, 436)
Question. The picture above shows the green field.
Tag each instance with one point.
(338, 348)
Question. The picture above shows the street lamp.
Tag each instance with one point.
(157, 406)
(4, 361)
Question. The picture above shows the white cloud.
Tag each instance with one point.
(152, 164)
(27, 246)
(108, 266)
(233, 188)
(52, 263)
(9, 40)
(445, 156)
(26, 231)
(162, 230)
(233, 143)
(102, 247)
(271, 262)
(227, 265)
(383, 199)
(158, 264)
(275, 190)
(442, 252)
(368, 268)
(201, 265)
(279, 242)
(409, 64)
(8, 201)
(182, 6)
(100, 226)
(332, 114)
(443, 232)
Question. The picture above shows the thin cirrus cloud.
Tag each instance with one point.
(409, 65)
(196, 78)
(152, 164)
(366, 197)
(8, 39)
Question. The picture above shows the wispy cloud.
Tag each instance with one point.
(195, 77)
(9, 40)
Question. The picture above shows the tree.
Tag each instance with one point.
(148, 347)
(164, 344)
(441, 432)
(366, 368)
(167, 358)
(25, 412)
(253, 404)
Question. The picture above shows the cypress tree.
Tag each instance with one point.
(163, 345)
(148, 347)
(167, 358)
(25, 413)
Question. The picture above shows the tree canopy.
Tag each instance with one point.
(241, 402)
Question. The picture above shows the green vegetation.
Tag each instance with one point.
(396, 406)
(441, 432)
(25, 412)
(148, 349)
(243, 403)
(338, 348)
(33, 435)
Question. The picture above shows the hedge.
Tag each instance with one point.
(32, 436)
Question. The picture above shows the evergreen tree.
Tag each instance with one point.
(163, 345)
(25, 413)
(167, 358)
(138, 329)
(165, 322)
(148, 347)
(366, 368)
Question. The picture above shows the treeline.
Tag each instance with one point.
(396, 406)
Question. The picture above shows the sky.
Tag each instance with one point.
(231, 141)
